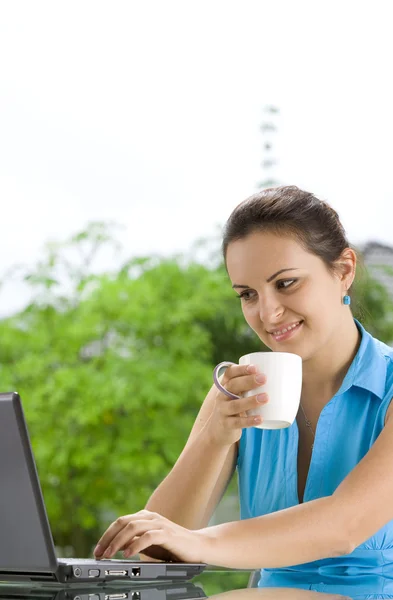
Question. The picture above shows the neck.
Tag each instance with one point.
(323, 374)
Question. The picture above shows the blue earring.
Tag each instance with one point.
(347, 299)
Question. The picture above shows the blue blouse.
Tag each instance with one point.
(347, 427)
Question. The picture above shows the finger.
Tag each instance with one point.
(237, 371)
(239, 407)
(245, 383)
(154, 537)
(127, 535)
(114, 529)
(109, 534)
(244, 422)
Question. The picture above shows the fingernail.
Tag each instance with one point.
(126, 553)
(261, 398)
(251, 369)
(97, 550)
(108, 552)
(260, 378)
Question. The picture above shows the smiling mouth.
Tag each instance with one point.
(285, 332)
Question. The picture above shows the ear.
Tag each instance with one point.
(346, 268)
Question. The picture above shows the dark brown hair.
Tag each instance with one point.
(288, 210)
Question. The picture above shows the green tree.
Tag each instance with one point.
(372, 303)
(112, 374)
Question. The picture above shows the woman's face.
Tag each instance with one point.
(283, 287)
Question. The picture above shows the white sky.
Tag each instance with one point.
(148, 112)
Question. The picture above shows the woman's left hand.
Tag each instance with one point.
(155, 536)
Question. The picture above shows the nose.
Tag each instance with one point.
(270, 309)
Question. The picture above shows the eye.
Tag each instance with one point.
(283, 284)
(247, 295)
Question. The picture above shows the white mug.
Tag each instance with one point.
(283, 385)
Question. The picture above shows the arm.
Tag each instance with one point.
(322, 528)
(186, 498)
(193, 488)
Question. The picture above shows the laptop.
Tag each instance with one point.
(27, 551)
(147, 591)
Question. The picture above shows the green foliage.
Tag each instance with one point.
(373, 305)
(112, 375)
(113, 367)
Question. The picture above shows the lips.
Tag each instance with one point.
(280, 336)
(285, 328)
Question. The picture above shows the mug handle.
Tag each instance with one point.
(216, 374)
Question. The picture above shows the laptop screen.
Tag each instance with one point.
(25, 538)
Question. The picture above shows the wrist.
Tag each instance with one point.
(213, 438)
(207, 546)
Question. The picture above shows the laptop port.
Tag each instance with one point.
(135, 571)
(116, 596)
(136, 596)
(116, 573)
(94, 572)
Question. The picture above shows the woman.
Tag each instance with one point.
(318, 494)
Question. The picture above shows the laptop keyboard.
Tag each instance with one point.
(85, 560)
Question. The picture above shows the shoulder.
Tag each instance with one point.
(373, 363)
(384, 350)
(376, 353)
(374, 371)
(389, 387)
(386, 353)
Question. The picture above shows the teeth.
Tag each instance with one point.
(287, 329)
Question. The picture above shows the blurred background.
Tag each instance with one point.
(129, 130)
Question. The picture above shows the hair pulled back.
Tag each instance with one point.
(288, 210)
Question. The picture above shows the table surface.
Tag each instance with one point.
(222, 584)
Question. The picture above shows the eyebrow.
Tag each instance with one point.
(269, 279)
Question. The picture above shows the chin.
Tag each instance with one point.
(295, 348)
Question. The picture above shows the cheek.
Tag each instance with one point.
(320, 301)
(311, 301)
(319, 311)
(249, 314)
